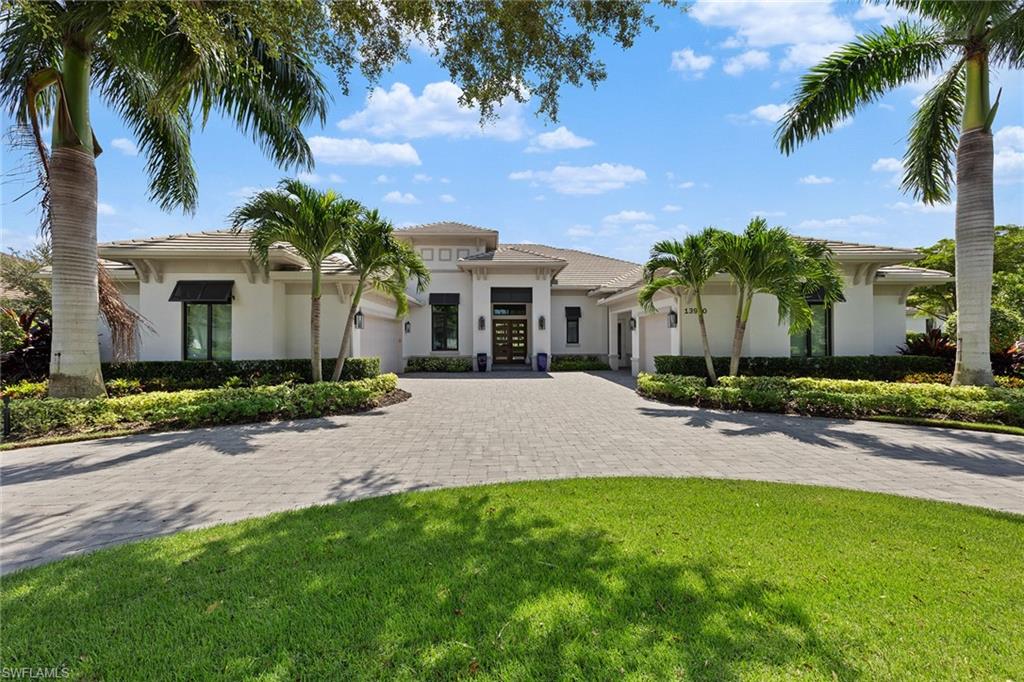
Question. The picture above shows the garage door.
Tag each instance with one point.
(381, 337)
(655, 340)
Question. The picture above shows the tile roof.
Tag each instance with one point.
(854, 250)
(513, 254)
(446, 227)
(907, 271)
(582, 269)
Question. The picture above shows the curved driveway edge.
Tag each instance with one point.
(456, 430)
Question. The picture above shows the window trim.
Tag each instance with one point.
(569, 321)
(808, 341)
(433, 339)
(209, 330)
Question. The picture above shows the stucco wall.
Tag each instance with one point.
(853, 321)
(890, 322)
(296, 305)
(130, 293)
(417, 341)
(593, 325)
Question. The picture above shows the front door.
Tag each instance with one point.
(510, 341)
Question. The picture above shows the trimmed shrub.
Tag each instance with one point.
(577, 363)
(191, 374)
(946, 377)
(841, 398)
(26, 389)
(191, 408)
(1006, 327)
(872, 367)
(438, 364)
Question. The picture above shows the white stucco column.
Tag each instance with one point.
(541, 307)
(613, 337)
(675, 337)
(481, 305)
(637, 341)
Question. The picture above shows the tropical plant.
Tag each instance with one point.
(155, 64)
(961, 39)
(1005, 329)
(27, 338)
(769, 260)
(314, 223)
(382, 262)
(683, 268)
(23, 289)
(158, 63)
(932, 343)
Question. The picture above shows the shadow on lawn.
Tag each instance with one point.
(970, 451)
(414, 587)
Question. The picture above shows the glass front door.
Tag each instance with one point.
(509, 341)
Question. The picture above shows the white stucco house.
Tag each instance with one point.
(205, 298)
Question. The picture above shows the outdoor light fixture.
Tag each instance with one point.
(632, 323)
(481, 323)
(408, 326)
(540, 322)
(673, 319)
(359, 319)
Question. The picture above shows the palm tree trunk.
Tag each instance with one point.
(975, 233)
(75, 352)
(737, 336)
(346, 333)
(314, 327)
(708, 361)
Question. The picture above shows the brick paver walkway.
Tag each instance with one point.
(458, 430)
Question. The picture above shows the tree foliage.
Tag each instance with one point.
(23, 289)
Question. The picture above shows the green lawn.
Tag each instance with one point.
(584, 579)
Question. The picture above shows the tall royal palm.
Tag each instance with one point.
(314, 223)
(382, 262)
(769, 260)
(961, 39)
(683, 269)
(156, 65)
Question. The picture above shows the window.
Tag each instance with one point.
(510, 310)
(572, 324)
(816, 342)
(445, 327)
(207, 331)
(444, 254)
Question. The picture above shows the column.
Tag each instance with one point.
(637, 341)
(613, 339)
(541, 307)
(481, 305)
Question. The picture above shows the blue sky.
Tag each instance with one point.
(678, 137)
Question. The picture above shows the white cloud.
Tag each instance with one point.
(383, 179)
(335, 178)
(816, 180)
(446, 199)
(768, 24)
(399, 112)
(627, 218)
(688, 184)
(1009, 154)
(890, 165)
(359, 152)
(421, 177)
(444, 181)
(311, 178)
(105, 209)
(882, 14)
(645, 227)
(247, 191)
(580, 231)
(802, 55)
(751, 60)
(767, 214)
(558, 139)
(396, 197)
(595, 179)
(849, 221)
(125, 146)
(671, 208)
(921, 207)
(691, 63)
(766, 113)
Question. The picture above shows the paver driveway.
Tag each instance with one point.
(458, 430)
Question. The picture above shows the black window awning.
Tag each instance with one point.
(444, 299)
(818, 297)
(511, 295)
(202, 291)
(573, 312)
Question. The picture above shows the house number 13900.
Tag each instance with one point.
(693, 311)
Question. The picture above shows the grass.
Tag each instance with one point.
(582, 579)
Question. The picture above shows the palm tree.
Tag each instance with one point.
(155, 64)
(683, 269)
(314, 223)
(382, 262)
(963, 38)
(769, 260)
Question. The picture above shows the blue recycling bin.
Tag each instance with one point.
(542, 362)
(481, 362)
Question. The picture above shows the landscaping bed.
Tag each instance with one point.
(588, 579)
(438, 364)
(51, 417)
(841, 398)
(871, 367)
(578, 363)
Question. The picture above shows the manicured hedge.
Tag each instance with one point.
(841, 398)
(31, 418)
(947, 377)
(872, 367)
(438, 364)
(175, 375)
(577, 363)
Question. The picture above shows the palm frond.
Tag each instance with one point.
(856, 74)
(928, 162)
(1006, 39)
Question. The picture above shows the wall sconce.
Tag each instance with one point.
(632, 323)
(359, 319)
(481, 323)
(408, 326)
(673, 319)
(541, 322)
